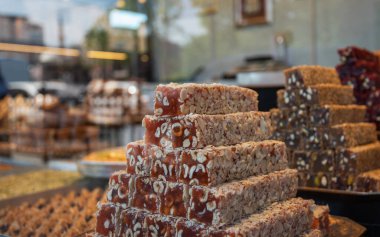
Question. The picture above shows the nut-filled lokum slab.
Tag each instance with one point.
(209, 166)
(324, 94)
(181, 99)
(354, 160)
(352, 134)
(368, 181)
(198, 131)
(231, 201)
(288, 218)
(223, 204)
(310, 75)
(329, 115)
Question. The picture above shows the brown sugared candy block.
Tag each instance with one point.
(211, 166)
(310, 75)
(276, 220)
(368, 181)
(293, 139)
(174, 199)
(132, 223)
(343, 181)
(329, 115)
(137, 160)
(297, 118)
(158, 225)
(303, 160)
(279, 118)
(120, 188)
(323, 161)
(321, 219)
(164, 163)
(185, 227)
(352, 134)
(198, 131)
(358, 159)
(313, 138)
(106, 220)
(232, 201)
(181, 99)
(326, 94)
(146, 193)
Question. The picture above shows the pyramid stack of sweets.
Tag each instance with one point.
(327, 137)
(361, 69)
(206, 168)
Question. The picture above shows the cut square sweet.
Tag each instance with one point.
(352, 134)
(137, 160)
(159, 225)
(174, 200)
(231, 201)
(146, 194)
(120, 187)
(306, 75)
(329, 115)
(198, 131)
(368, 181)
(181, 99)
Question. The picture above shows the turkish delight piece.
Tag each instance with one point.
(107, 220)
(326, 94)
(352, 134)
(120, 188)
(353, 53)
(164, 163)
(216, 165)
(185, 227)
(137, 161)
(303, 160)
(288, 218)
(146, 193)
(321, 220)
(159, 225)
(314, 138)
(343, 181)
(297, 118)
(198, 131)
(310, 75)
(329, 115)
(231, 201)
(132, 222)
(279, 118)
(323, 161)
(358, 159)
(180, 99)
(368, 181)
(293, 139)
(174, 199)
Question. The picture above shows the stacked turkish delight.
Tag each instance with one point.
(206, 168)
(327, 139)
(361, 69)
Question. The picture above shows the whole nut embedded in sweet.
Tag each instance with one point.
(177, 129)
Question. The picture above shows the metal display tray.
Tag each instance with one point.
(361, 207)
(99, 169)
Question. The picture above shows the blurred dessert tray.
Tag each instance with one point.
(99, 169)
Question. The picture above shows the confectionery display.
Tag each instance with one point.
(114, 102)
(204, 170)
(368, 181)
(327, 137)
(72, 214)
(45, 127)
(35, 181)
(107, 155)
(361, 69)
